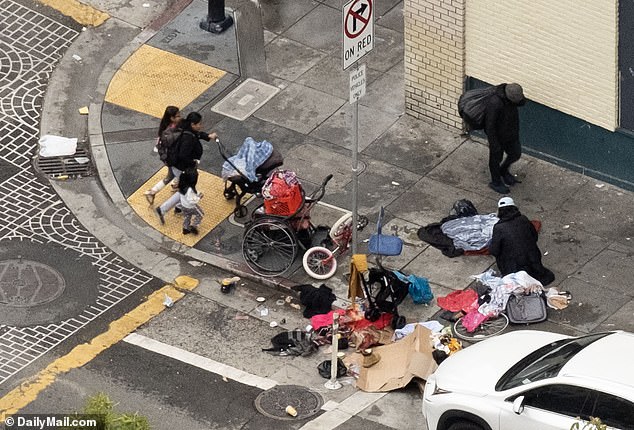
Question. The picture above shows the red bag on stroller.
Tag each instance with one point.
(282, 193)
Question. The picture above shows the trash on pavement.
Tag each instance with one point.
(83, 110)
(55, 146)
(400, 362)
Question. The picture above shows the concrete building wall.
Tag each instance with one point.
(564, 52)
(434, 59)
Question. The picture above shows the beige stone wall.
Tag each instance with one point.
(434, 59)
(563, 52)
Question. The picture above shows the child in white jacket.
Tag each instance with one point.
(189, 199)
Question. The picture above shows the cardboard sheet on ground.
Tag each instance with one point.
(400, 362)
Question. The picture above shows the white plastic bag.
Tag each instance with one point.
(55, 146)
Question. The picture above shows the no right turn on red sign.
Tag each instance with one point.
(358, 30)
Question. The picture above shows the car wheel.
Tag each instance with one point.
(464, 425)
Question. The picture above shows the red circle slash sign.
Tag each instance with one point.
(358, 13)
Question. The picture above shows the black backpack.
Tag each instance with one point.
(472, 106)
(167, 145)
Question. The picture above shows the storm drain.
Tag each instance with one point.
(65, 167)
(248, 97)
(272, 403)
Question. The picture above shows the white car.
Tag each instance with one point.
(534, 380)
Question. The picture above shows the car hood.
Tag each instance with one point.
(477, 368)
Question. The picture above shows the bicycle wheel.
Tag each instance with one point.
(487, 329)
(319, 262)
(269, 246)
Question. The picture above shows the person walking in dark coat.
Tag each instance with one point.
(514, 244)
(502, 127)
(186, 157)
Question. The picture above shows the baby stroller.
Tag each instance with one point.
(384, 292)
(247, 171)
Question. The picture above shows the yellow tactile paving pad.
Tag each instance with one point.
(152, 79)
(213, 203)
(83, 14)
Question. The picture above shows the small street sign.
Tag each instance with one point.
(357, 83)
(358, 30)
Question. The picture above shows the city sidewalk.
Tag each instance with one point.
(414, 169)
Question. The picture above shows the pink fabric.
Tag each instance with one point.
(472, 320)
(323, 320)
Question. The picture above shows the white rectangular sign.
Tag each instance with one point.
(358, 30)
(357, 83)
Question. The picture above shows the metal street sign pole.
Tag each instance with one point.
(355, 168)
(358, 40)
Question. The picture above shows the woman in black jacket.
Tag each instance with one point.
(187, 155)
(514, 244)
(190, 149)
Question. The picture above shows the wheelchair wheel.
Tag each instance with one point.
(487, 329)
(319, 262)
(269, 246)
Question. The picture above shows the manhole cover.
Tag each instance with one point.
(272, 403)
(25, 283)
(248, 97)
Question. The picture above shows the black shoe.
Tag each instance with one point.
(186, 231)
(160, 215)
(499, 187)
(193, 230)
(178, 210)
(510, 179)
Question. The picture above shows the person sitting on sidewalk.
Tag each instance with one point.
(189, 199)
(170, 120)
(514, 244)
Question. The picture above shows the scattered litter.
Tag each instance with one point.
(196, 263)
(241, 316)
(273, 324)
(260, 299)
(56, 146)
(146, 5)
(168, 302)
(83, 29)
(295, 306)
(291, 411)
(600, 185)
(546, 253)
(76, 57)
(224, 378)
(283, 321)
(288, 299)
(82, 160)
(83, 110)
(566, 226)
(395, 183)
(365, 240)
(280, 302)
(62, 177)
(627, 238)
(580, 304)
(264, 311)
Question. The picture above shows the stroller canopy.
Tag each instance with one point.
(251, 155)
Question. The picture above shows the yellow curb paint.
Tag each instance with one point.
(83, 14)
(28, 391)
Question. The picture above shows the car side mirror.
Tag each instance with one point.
(518, 405)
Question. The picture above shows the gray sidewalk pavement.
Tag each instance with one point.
(413, 168)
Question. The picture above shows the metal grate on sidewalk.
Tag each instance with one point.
(66, 167)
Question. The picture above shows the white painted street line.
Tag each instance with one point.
(200, 361)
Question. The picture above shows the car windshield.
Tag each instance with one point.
(545, 362)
